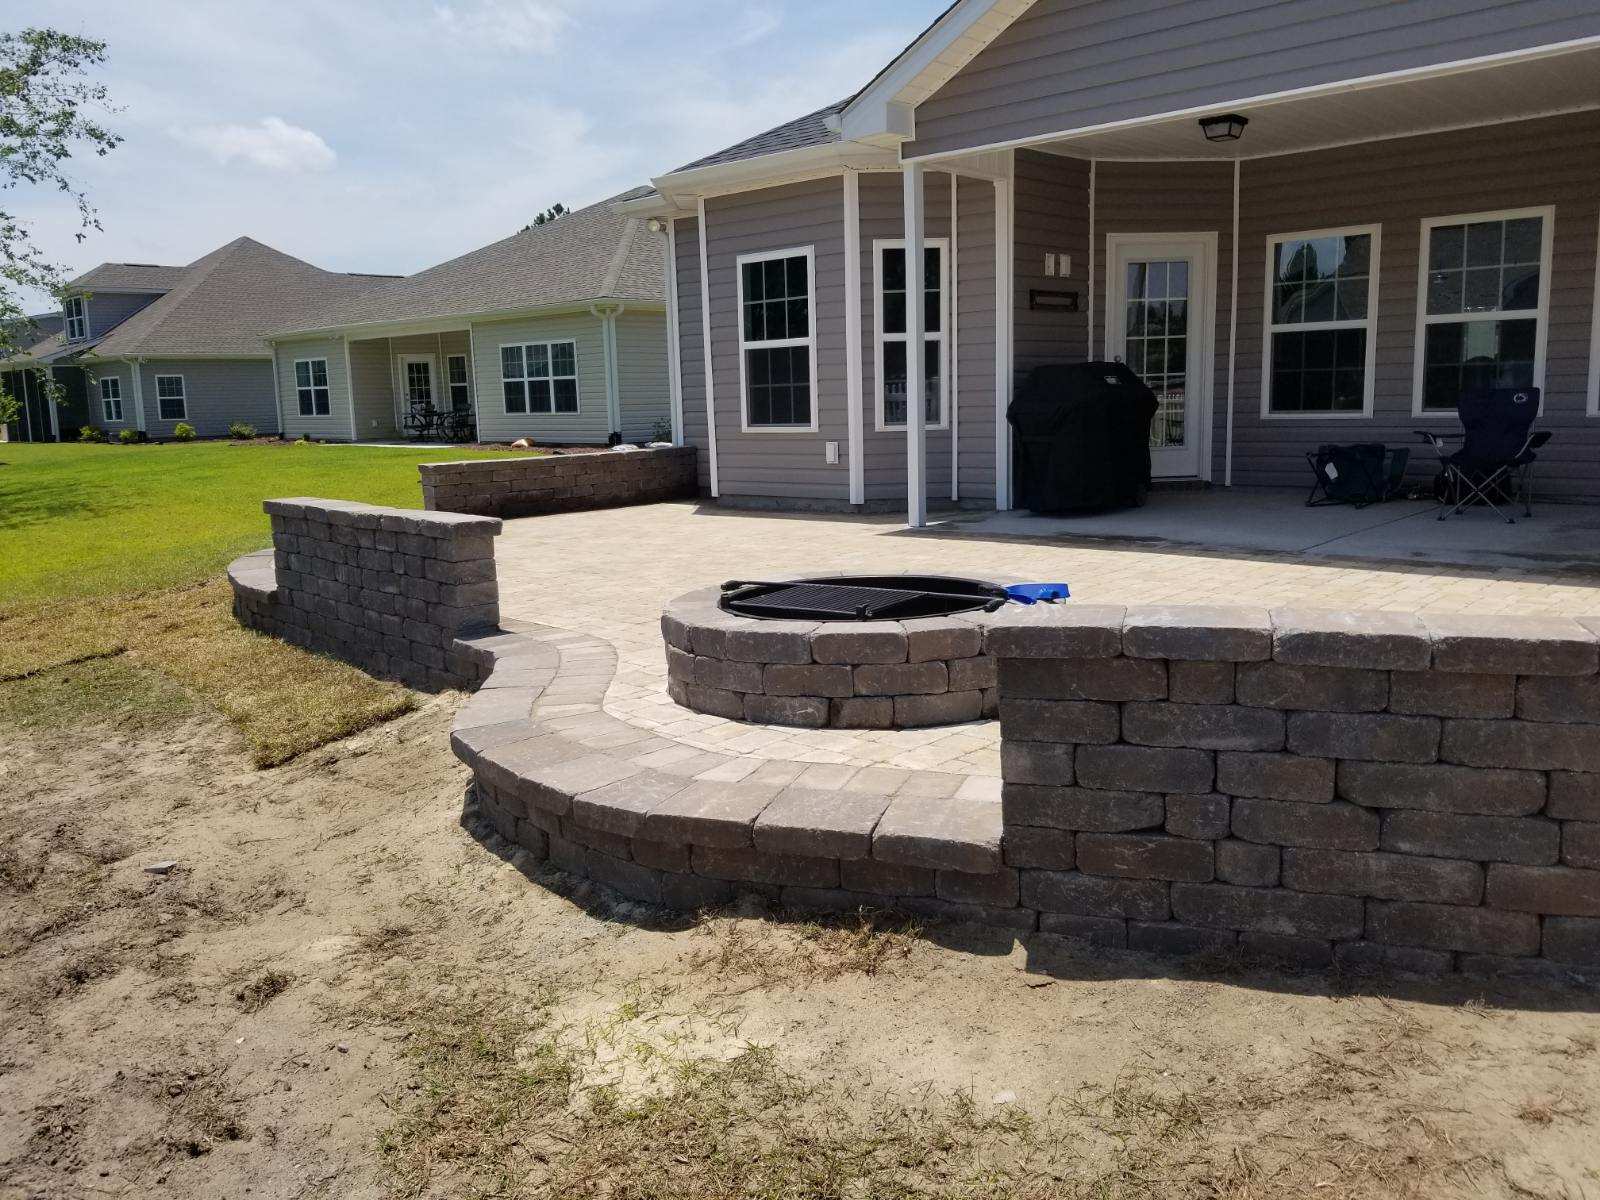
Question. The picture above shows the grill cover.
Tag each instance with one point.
(1082, 437)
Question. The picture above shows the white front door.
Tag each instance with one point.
(1158, 322)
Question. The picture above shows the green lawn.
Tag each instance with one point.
(85, 520)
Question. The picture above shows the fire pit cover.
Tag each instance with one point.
(860, 598)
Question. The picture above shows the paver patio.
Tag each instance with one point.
(610, 573)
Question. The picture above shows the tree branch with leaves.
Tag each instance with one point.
(48, 106)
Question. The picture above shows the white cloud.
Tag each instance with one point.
(515, 25)
(271, 144)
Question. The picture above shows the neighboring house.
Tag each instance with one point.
(37, 418)
(149, 348)
(1411, 209)
(556, 333)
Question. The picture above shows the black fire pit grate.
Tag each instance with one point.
(877, 598)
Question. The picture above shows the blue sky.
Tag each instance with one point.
(387, 135)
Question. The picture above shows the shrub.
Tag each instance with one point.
(91, 433)
(662, 432)
(129, 436)
(244, 432)
(183, 431)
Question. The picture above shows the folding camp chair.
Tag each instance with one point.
(1494, 465)
(1361, 474)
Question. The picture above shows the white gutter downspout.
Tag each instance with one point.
(953, 342)
(674, 348)
(277, 394)
(705, 341)
(608, 341)
(855, 423)
(350, 390)
(138, 393)
(1233, 330)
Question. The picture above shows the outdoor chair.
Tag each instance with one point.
(1359, 475)
(1494, 465)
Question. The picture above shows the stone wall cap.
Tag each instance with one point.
(1197, 632)
(376, 516)
(1065, 629)
(1375, 639)
(1512, 644)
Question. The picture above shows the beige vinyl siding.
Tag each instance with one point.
(123, 373)
(336, 425)
(1071, 64)
(691, 343)
(372, 388)
(642, 374)
(781, 464)
(974, 301)
(1395, 184)
(589, 425)
(107, 310)
(217, 392)
(1181, 197)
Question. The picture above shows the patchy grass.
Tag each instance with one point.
(262, 990)
(82, 520)
(748, 957)
(172, 653)
(505, 1101)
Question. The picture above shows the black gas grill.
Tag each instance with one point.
(867, 598)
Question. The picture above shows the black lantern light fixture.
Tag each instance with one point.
(1229, 127)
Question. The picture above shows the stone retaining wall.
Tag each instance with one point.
(552, 483)
(843, 674)
(388, 589)
(1352, 787)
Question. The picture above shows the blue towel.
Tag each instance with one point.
(1032, 593)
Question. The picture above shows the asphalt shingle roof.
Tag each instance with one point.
(128, 277)
(813, 129)
(588, 255)
(227, 302)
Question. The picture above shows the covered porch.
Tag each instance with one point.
(1330, 265)
(417, 386)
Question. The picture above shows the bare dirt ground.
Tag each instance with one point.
(340, 991)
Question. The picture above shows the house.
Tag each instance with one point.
(148, 348)
(1301, 222)
(37, 419)
(557, 333)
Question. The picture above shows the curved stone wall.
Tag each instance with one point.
(841, 674)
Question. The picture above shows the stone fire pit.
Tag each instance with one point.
(877, 674)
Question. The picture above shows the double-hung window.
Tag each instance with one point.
(1482, 312)
(171, 402)
(311, 386)
(1322, 302)
(77, 321)
(456, 373)
(540, 377)
(111, 397)
(889, 258)
(777, 353)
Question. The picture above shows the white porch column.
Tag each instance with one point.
(916, 324)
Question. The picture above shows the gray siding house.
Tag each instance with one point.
(1410, 208)
(149, 347)
(557, 333)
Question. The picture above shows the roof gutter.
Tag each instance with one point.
(444, 324)
(680, 190)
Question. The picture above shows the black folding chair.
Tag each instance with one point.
(1494, 465)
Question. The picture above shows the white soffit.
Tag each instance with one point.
(1482, 95)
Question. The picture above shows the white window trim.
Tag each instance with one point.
(527, 392)
(1541, 314)
(1369, 384)
(183, 396)
(466, 382)
(82, 319)
(106, 401)
(326, 374)
(879, 337)
(1593, 409)
(809, 253)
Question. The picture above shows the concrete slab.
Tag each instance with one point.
(1277, 521)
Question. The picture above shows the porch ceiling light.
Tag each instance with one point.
(1229, 127)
